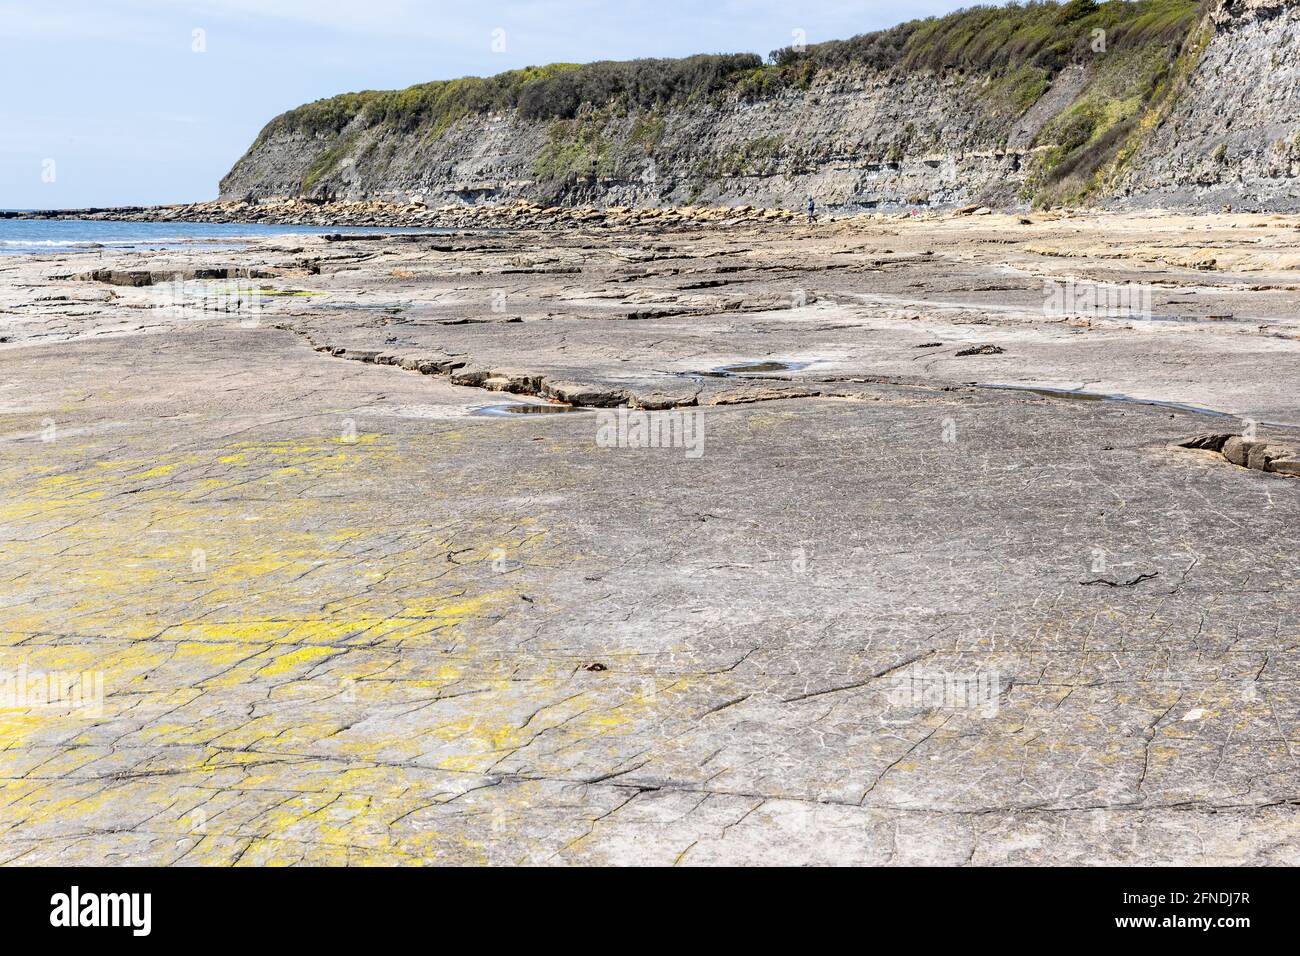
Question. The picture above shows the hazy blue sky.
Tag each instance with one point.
(111, 98)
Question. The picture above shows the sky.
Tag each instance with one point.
(124, 102)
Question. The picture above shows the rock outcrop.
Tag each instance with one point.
(1233, 135)
(1153, 103)
(1281, 458)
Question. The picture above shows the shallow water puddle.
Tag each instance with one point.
(760, 368)
(745, 369)
(365, 306)
(505, 409)
(1082, 396)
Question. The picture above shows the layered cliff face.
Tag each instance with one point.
(1232, 136)
(1044, 104)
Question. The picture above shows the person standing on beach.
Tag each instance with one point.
(812, 210)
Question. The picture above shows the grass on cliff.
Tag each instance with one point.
(1015, 50)
(1018, 89)
(1073, 186)
(558, 91)
(1090, 143)
(1031, 41)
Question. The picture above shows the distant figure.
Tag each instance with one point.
(812, 210)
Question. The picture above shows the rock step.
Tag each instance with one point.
(1278, 458)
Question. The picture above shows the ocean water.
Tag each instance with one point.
(36, 236)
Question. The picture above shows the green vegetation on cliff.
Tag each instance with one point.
(1005, 38)
(557, 91)
(1092, 140)
(1030, 41)
(612, 119)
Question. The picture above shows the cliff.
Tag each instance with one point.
(1148, 102)
(1232, 135)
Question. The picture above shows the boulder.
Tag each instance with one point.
(585, 394)
(1237, 450)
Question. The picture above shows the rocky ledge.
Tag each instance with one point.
(415, 212)
(1280, 459)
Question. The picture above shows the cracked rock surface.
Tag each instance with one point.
(342, 616)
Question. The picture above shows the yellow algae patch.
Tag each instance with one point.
(297, 736)
(240, 572)
(187, 662)
(333, 631)
(220, 653)
(628, 713)
(294, 659)
(298, 459)
(66, 489)
(512, 717)
(247, 734)
(330, 819)
(159, 471)
(53, 657)
(259, 593)
(341, 535)
(286, 448)
(172, 733)
(238, 758)
(92, 481)
(245, 632)
(70, 761)
(268, 851)
(105, 576)
(320, 631)
(454, 612)
(470, 763)
(297, 293)
(17, 726)
(272, 851)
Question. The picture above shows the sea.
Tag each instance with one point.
(48, 236)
